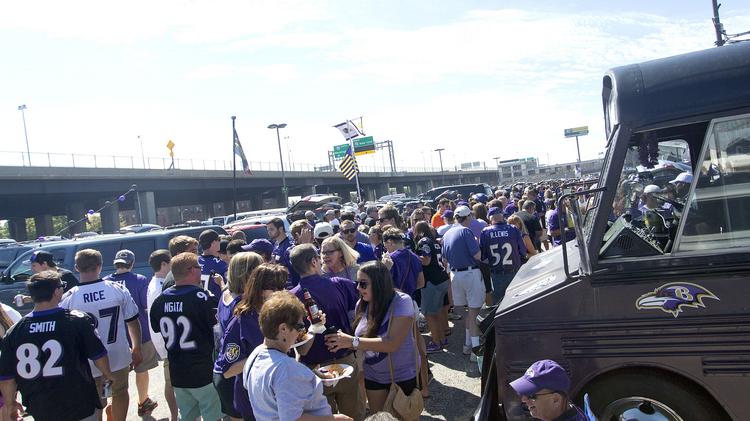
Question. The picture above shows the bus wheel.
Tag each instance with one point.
(640, 396)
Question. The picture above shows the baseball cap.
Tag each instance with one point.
(481, 197)
(309, 214)
(462, 203)
(260, 246)
(41, 256)
(544, 374)
(462, 211)
(322, 230)
(447, 214)
(651, 188)
(683, 177)
(124, 256)
(494, 211)
(330, 212)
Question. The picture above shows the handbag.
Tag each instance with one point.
(399, 404)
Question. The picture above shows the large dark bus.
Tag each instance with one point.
(648, 309)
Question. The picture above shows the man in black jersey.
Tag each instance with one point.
(185, 315)
(45, 356)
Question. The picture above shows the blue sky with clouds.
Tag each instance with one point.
(478, 78)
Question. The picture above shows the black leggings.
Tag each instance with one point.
(407, 385)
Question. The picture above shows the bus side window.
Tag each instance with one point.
(717, 215)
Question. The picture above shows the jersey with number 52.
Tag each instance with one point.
(184, 316)
(502, 247)
(111, 306)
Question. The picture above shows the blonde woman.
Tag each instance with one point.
(517, 222)
(240, 268)
(339, 260)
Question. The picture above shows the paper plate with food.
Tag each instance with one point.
(331, 374)
(303, 338)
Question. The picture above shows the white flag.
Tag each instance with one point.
(348, 129)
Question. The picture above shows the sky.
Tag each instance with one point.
(481, 79)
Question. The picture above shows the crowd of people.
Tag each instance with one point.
(231, 322)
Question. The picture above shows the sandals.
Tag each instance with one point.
(146, 407)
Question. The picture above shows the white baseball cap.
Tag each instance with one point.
(462, 211)
(322, 230)
(651, 188)
(683, 177)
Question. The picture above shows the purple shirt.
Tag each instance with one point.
(240, 339)
(510, 209)
(336, 297)
(405, 270)
(366, 253)
(476, 226)
(211, 263)
(502, 247)
(279, 250)
(404, 364)
(137, 285)
(459, 247)
(224, 311)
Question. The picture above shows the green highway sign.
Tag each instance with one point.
(362, 146)
(576, 131)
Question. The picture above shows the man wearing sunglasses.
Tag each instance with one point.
(544, 390)
(348, 233)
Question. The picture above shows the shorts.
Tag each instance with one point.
(150, 359)
(119, 385)
(433, 297)
(225, 389)
(407, 385)
(500, 282)
(467, 288)
(195, 401)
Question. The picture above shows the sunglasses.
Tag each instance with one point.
(328, 252)
(535, 396)
(348, 231)
(362, 284)
(299, 327)
(383, 219)
(62, 285)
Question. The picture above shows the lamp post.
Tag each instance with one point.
(440, 154)
(497, 164)
(281, 161)
(21, 108)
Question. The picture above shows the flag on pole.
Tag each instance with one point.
(348, 129)
(241, 153)
(348, 165)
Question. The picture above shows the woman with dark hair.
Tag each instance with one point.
(384, 321)
(241, 337)
(480, 212)
(279, 387)
(436, 286)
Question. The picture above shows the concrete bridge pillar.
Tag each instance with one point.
(74, 212)
(207, 211)
(111, 218)
(382, 189)
(43, 224)
(146, 205)
(17, 229)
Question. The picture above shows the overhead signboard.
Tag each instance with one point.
(362, 146)
(577, 131)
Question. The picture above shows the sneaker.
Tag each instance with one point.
(467, 349)
(146, 407)
(473, 357)
(433, 348)
(422, 325)
(454, 316)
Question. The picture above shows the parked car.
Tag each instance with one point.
(139, 228)
(465, 190)
(255, 228)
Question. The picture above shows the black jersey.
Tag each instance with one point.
(434, 272)
(47, 353)
(185, 316)
(68, 277)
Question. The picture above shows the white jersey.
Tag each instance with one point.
(154, 290)
(111, 306)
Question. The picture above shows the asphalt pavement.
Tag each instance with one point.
(454, 394)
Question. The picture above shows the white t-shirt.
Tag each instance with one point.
(153, 291)
(14, 315)
(111, 306)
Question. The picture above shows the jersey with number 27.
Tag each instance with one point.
(111, 306)
(184, 315)
(47, 353)
(502, 247)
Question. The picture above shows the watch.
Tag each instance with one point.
(355, 342)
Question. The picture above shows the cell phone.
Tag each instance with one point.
(330, 330)
(107, 390)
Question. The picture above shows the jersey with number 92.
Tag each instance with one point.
(502, 247)
(184, 316)
(47, 354)
(111, 306)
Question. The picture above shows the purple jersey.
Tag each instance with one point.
(502, 247)
(405, 270)
(209, 264)
(240, 339)
(137, 285)
(279, 251)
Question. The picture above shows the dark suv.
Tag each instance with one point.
(465, 190)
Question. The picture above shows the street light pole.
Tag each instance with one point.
(21, 108)
(281, 161)
(143, 154)
(497, 164)
(440, 153)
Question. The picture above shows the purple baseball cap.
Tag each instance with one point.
(260, 246)
(544, 374)
(494, 211)
(462, 203)
(448, 213)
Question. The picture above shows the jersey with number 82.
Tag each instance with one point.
(502, 247)
(111, 306)
(184, 316)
